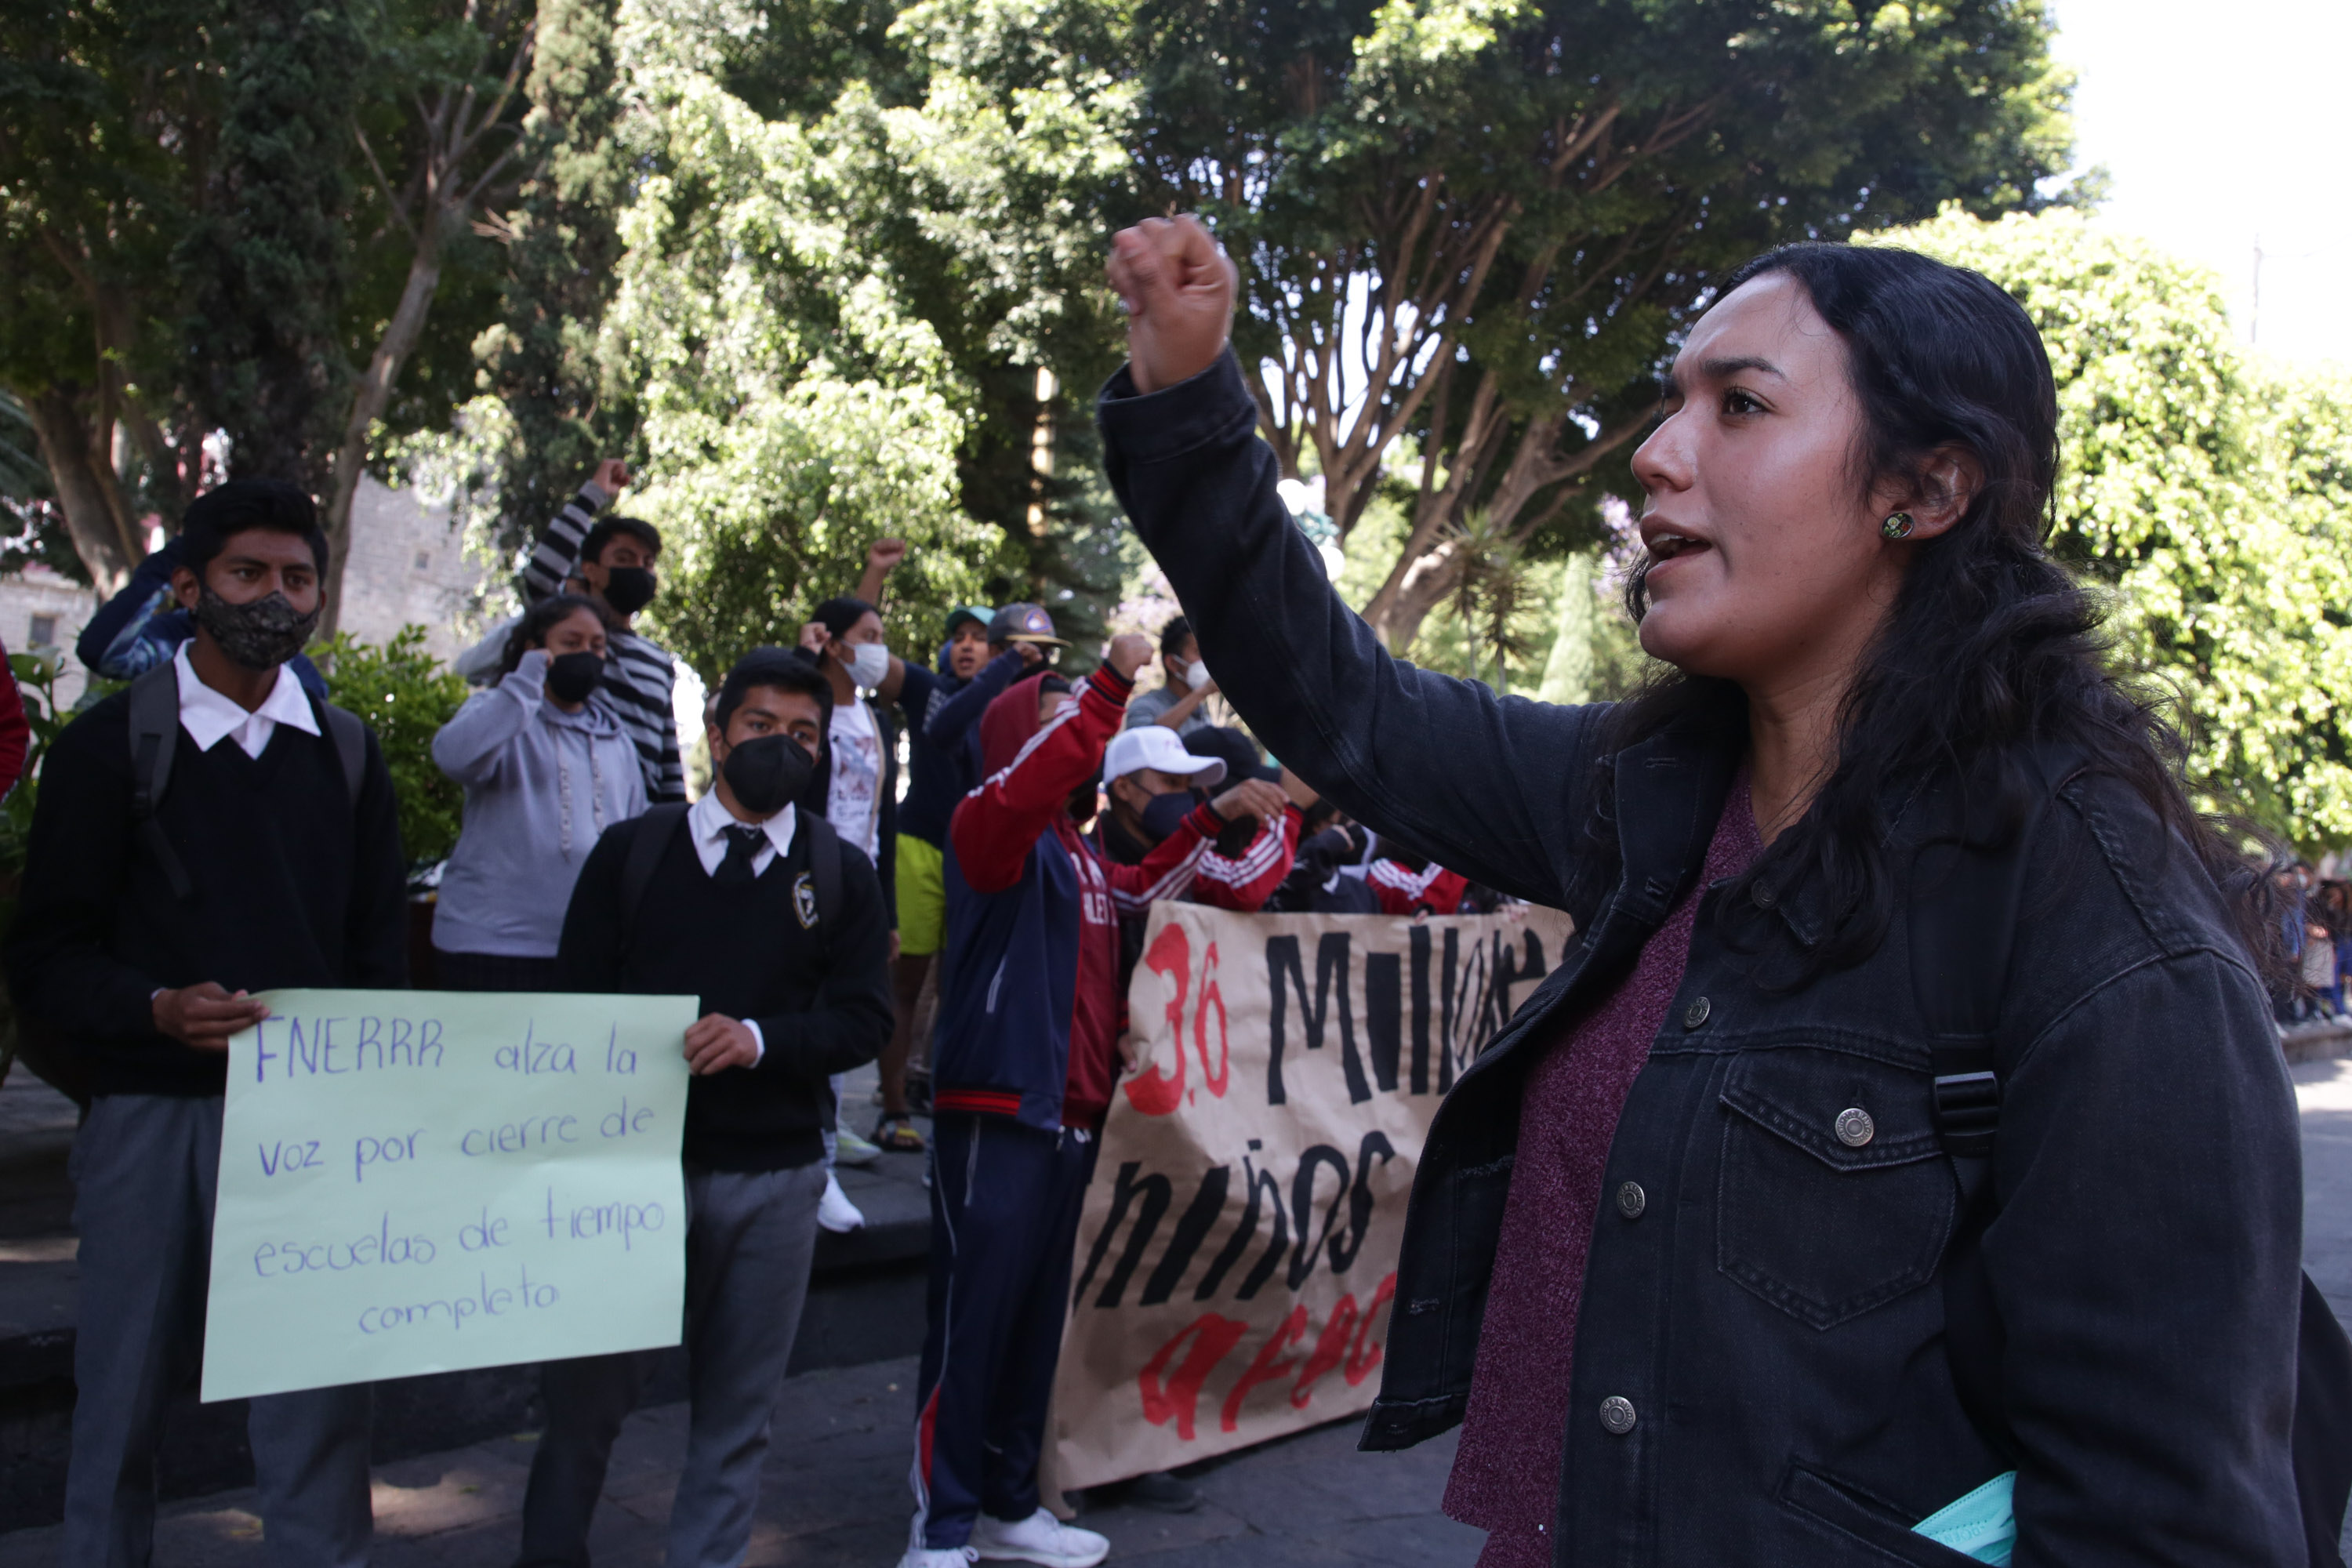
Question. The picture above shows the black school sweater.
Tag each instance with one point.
(293, 887)
(744, 952)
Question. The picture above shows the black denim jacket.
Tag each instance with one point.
(1760, 1372)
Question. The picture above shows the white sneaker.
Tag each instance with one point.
(1040, 1538)
(936, 1557)
(835, 1212)
(849, 1149)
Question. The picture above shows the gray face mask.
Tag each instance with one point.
(261, 634)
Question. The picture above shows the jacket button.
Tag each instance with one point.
(1617, 1415)
(1632, 1200)
(1854, 1127)
(1695, 1013)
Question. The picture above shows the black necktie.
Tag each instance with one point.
(743, 841)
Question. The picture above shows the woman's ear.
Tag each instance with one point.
(1945, 486)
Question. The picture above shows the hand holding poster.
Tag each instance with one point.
(417, 1181)
(1237, 1254)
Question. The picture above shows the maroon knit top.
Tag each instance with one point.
(1507, 1472)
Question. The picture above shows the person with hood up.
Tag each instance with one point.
(1023, 1073)
(546, 769)
(986, 653)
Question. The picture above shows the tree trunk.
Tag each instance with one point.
(1426, 582)
(96, 518)
(368, 401)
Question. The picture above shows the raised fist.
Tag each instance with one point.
(1179, 287)
(884, 554)
(611, 476)
(1129, 651)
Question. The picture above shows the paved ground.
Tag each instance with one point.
(835, 1493)
(835, 1497)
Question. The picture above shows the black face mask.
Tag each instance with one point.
(261, 634)
(1166, 812)
(628, 589)
(570, 677)
(768, 772)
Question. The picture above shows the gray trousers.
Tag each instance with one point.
(749, 1243)
(146, 1168)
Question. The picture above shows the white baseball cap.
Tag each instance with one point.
(1155, 746)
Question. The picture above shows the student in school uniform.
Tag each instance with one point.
(270, 856)
(777, 923)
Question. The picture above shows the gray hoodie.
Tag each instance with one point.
(541, 785)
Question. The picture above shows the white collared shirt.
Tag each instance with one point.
(710, 819)
(208, 716)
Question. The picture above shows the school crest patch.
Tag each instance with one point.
(804, 901)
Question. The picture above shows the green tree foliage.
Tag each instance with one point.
(406, 696)
(265, 261)
(237, 218)
(556, 415)
(1474, 221)
(2208, 493)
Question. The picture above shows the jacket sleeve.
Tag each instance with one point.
(556, 552)
(2152, 1123)
(995, 825)
(1245, 882)
(375, 934)
(1167, 871)
(76, 867)
(1496, 787)
(113, 642)
(959, 713)
(850, 1023)
(470, 746)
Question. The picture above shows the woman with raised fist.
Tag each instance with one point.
(1900, 1166)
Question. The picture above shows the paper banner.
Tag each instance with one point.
(1237, 1254)
(420, 1181)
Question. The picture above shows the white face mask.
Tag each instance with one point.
(1196, 675)
(869, 664)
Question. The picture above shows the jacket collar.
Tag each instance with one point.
(1670, 791)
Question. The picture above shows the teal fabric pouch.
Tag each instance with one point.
(1980, 1525)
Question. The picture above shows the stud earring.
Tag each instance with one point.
(1896, 527)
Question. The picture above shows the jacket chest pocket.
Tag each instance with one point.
(1834, 1196)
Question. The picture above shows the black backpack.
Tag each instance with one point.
(154, 732)
(660, 824)
(1962, 923)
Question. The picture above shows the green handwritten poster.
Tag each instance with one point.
(422, 1180)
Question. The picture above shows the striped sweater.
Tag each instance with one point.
(639, 678)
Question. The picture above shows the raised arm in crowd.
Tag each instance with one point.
(1839, 1283)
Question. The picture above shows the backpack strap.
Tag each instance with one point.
(825, 874)
(154, 736)
(348, 731)
(656, 828)
(1967, 887)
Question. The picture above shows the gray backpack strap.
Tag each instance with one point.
(349, 732)
(154, 735)
(656, 828)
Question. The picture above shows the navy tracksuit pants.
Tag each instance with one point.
(1004, 1220)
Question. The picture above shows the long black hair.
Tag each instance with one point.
(1991, 648)
(531, 628)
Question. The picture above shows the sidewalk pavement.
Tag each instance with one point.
(835, 1496)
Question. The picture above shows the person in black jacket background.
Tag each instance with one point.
(792, 991)
(1814, 1310)
(290, 882)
